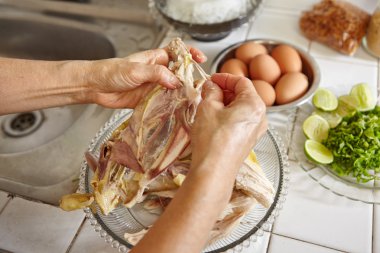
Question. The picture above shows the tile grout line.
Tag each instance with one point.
(250, 25)
(14, 195)
(271, 9)
(251, 22)
(5, 251)
(373, 228)
(76, 235)
(340, 60)
(289, 142)
(291, 134)
(269, 241)
(6, 204)
(312, 243)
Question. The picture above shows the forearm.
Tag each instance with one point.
(27, 85)
(187, 221)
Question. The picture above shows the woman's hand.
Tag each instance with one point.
(119, 83)
(229, 121)
(222, 136)
(28, 85)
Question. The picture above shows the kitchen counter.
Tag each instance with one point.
(313, 219)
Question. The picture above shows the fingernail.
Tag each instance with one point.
(209, 84)
(202, 57)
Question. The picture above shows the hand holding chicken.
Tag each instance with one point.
(160, 152)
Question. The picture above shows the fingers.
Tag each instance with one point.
(153, 71)
(228, 97)
(235, 84)
(160, 56)
(211, 91)
(197, 54)
(235, 88)
(154, 56)
(239, 91)
(142, 73)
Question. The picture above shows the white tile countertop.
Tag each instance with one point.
(313, 219)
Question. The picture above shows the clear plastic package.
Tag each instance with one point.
(337, 24)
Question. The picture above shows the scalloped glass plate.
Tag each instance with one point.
(271, 154)
(341, 185)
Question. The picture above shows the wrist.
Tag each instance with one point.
(228, 157)
(218, 168)
(76, 77)
(209, 179)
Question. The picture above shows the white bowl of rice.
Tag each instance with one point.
(206, 20)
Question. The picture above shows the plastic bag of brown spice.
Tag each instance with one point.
(373, 33)
(336, 23)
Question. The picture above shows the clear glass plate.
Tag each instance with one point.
(342, 185)
(272, 156)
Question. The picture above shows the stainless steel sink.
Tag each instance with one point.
(47, 38)
(41, 151)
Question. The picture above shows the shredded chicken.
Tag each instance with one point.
(148, 156)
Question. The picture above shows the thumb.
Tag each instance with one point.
(211, 91)
(153, 73)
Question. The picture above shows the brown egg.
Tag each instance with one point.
(264, 67)
(265, 91)
(247, 51)
(235, 67)
(287, 58)
(290, 87)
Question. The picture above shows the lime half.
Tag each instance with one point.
(364, 97)
(347, 105)
(317, 152)
(333, 118)
(325, 100)
(316, 128)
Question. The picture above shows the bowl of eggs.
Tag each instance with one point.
(283, 75)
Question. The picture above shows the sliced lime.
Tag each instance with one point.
(362, 93)
(333, 118)
(317, 152)
(347, 105)
(325, 100)
(316, 128)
